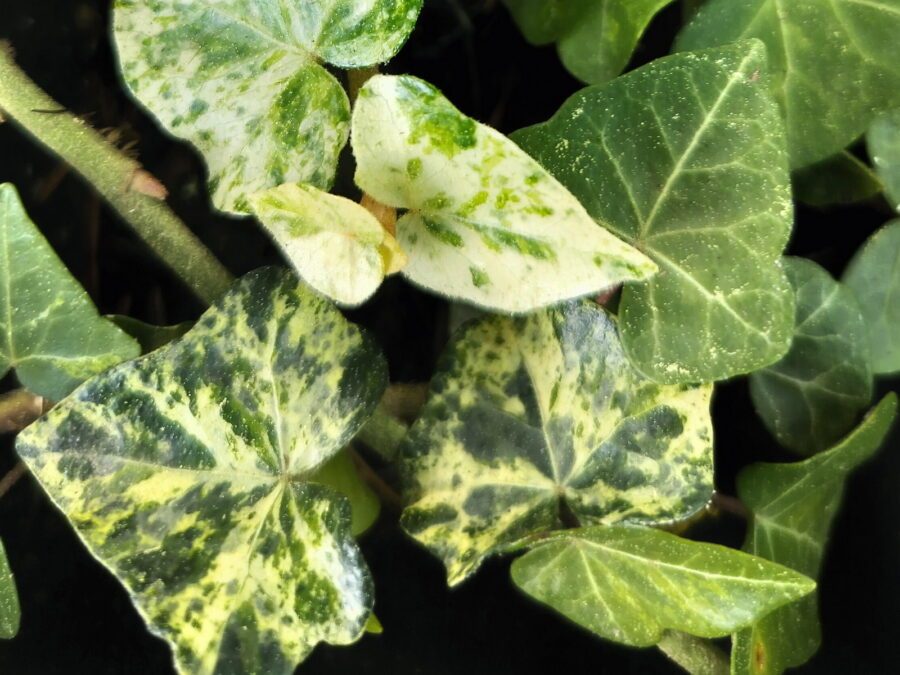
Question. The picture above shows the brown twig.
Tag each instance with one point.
(18, 409)
(388, 496)
(12, 477)
(729, 504)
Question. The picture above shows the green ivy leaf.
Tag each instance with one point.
(871, 275)
(150, 337)
(834, 64)
(595, 39)
(840, 179)
(539, 419)
(487, 224)
(50, 331)
(340, 474)
(336, 245)
(685, 159)
(9, 600)
(793, 506)
(242, 81)
(630, 584)
(814, 395)
(884, 149)
(190, 474)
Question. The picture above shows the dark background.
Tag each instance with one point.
(76, 619)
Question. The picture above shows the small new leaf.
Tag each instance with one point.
(191, 474)
(336, 245)
(685, 159)
(793, 506)
(50, 331)
(630, 584)
(241, 80)
(486, 224)
(872, 277)
(884, 149)
(536, 421)
(814, 395)
(9, 600)
(834, 63)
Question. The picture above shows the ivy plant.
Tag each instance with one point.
(620, 261)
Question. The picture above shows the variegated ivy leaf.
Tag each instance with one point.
(336, 245)
(834, 63)
(50, 331)
(486, 224)
(685, 159)
(630, 584)
(9, 600)
(884, 149)
(595, 39)
(536, 421)
(793, 506)
(815, 394)
(190, 473)
(241, 80)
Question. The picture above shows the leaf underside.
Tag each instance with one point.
(50, 331)
(536, 420)
(685, 159)
(190, 474)
(837, 180)
(883, 142)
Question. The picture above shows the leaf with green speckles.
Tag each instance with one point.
(50, 331)
(838, 180)
(486, 223)
(884, 148)
(336, 245)
(630, 584)
(241, 80)
(9, 600)
(685, 159)
(814, 395)
(595, 39)
(192, 474)
(874, 276)
(793, 506)
(834, 64)
(535, 421)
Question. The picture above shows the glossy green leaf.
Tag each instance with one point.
(793, 506)
(872, 276)
(336, 245)
(837, 180)
(190, 474)
(340, 474)
(50, 331)
(150, 337)
(535, 421)
(834, 63)
(242, 80)
(630, 584)
(595, 39)
(9, 600)
(685, 159)
(884, 149)
(486, 224)
(814, 395)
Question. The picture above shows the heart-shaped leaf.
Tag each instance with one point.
(814, 395)
(486, 224)
(630, 584)
(884, 149)
(840, 179)
(685, 159)
(595, 39)
(9, 600)
(793, 506)
(241, 80)
(336, 245)
(190, 474)
(834, 63)
(872, 276)
(50, 331)
(539, 421)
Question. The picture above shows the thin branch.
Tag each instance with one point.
(129, 189)
(18, 409)
(731, 505)
(405, 400)
(388, 496)
(12, 477)
(383, 433)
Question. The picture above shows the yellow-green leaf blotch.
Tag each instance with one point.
(190, 473)
(537, 420)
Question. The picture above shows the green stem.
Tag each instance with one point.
(695, 655)
(383, 433)
(130, 190)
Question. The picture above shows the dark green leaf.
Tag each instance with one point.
(150, 337)
(9, 600)
(841, 179)
(884, 149)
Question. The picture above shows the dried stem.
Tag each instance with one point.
(12, 477)
(18, 409)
